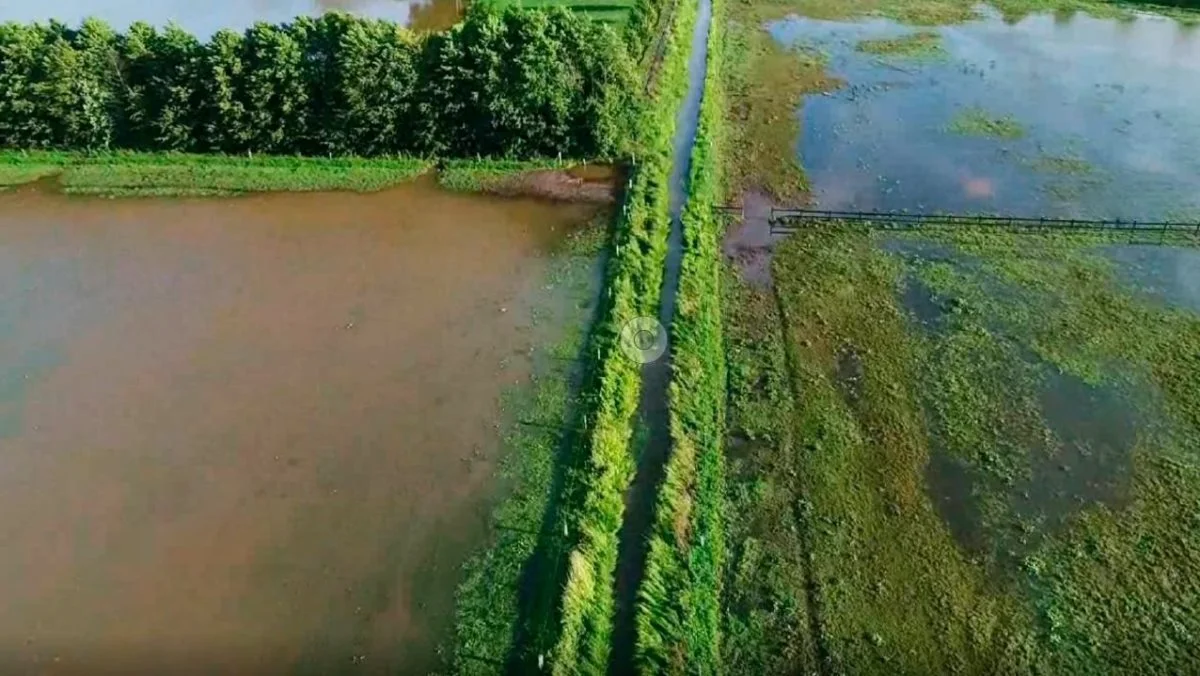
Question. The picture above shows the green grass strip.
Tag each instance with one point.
(176, 174)
(679, 611)
(585, 639)
(485, 174)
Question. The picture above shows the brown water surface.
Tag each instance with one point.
(205, 18)
(252, 435)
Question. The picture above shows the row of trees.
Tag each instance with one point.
(502, 83)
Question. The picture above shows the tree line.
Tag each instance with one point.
(504, 83)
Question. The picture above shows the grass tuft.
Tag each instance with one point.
(979, 122)
(921, 45)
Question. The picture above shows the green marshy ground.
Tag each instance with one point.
(998, 456)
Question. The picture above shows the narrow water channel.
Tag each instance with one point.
(254, 435)
(653, 413)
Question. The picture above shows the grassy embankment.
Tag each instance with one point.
(595, 516)
(129, 174)
(678, 609)
(767, 626)
(542, 595)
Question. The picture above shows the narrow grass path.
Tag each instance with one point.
(656, 375)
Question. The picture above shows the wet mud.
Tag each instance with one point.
(254, 435)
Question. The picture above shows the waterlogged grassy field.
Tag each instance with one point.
(990, 455)
(170, 174)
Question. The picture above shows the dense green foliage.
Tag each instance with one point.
(679, 608)
(502, 83)
(596, 489)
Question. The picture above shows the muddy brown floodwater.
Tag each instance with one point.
(253, 435)
(205, 18)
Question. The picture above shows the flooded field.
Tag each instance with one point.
(1001, 433)
(254, 435)
(990, 457)
(1053, 115)
(205, 18)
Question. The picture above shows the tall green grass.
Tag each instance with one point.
(585, 637)
(679, 601)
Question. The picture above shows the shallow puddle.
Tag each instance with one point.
(254, 435)
(1170, 275)
(206, 18)
(1105, 126)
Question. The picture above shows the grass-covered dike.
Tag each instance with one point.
(545, 601)
(129, 174)
(679, 601)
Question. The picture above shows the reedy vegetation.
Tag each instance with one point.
(679, 609)
(594, 505)
(503, 83)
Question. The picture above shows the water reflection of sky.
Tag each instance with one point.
(1122, 96)
(204, 17)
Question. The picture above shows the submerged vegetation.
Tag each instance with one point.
(979, 122)
(502, 83)
(920, 45)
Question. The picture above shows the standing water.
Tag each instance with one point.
(206, 18)
(253, 435)
(1099, 117)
